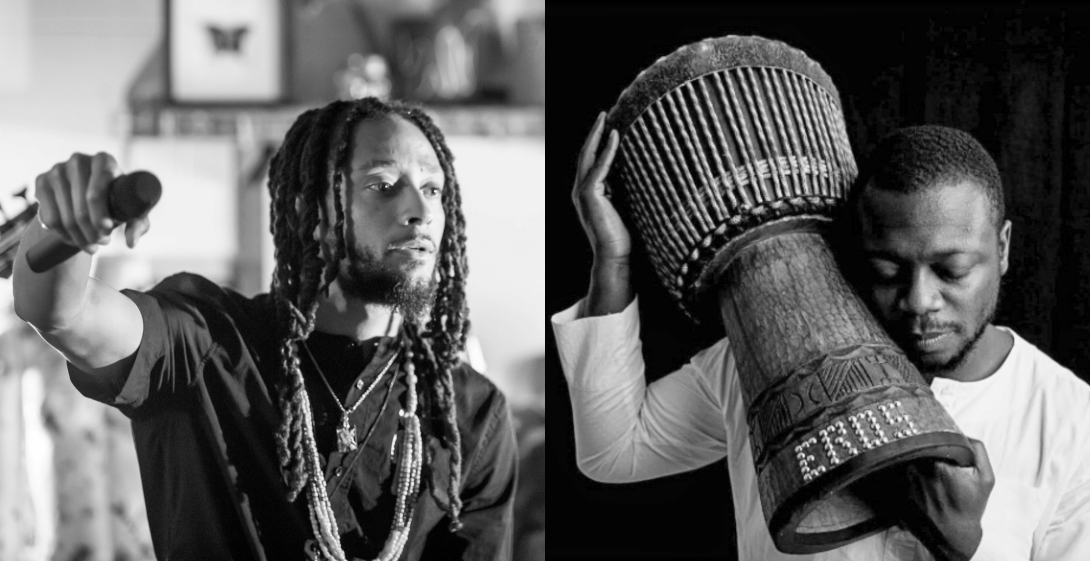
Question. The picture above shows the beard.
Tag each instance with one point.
(930, 368)
(364, 276)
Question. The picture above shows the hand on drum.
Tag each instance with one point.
(942, 504)
(607, 233)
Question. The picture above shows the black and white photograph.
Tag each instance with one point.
(269, 280)
(821, 282)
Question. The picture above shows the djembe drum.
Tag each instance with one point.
(733, 157)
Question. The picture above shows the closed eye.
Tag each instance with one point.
(956, 268)
(954, 274)
(883, 270)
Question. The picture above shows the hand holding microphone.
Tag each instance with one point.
(82, 200)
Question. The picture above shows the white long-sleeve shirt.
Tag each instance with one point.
(1032, 415)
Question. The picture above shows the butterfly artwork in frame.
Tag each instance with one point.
(227, 40)
(226, 53)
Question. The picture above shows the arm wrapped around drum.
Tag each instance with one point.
(733, 159)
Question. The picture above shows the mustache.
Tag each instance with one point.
(416, 240)
(925, 324)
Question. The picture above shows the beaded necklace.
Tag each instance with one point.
(406, 484)
(346, 433)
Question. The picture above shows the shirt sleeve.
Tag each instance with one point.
(1068, 534)
(625, 430)
(174, 342)
(995, 550)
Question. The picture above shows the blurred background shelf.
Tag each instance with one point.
(271, 123)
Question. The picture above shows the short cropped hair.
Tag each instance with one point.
(916, 159)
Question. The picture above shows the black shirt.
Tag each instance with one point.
(203, 403)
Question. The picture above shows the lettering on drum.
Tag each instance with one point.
(846, 436)
(817, 385)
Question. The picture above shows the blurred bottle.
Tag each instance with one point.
(324, 33)
(454, 55)
(479, 24)
(433, 64)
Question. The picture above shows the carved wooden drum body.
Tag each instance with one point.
(733, 158)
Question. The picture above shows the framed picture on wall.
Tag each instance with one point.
(226, 52)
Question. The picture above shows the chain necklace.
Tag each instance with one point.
(407, 482)
(346, 433)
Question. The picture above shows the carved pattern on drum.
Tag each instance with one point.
(710, 246)
(853, 376)
(840, 376)
(795, 275)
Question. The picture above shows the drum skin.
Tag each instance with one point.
(733, 161)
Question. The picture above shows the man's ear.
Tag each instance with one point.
(1004, 247)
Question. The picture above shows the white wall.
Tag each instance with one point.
(68, 68)
(194, 226)
(503, 194)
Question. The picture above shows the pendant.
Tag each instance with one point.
(346, 436)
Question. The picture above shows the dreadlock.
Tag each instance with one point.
(298, 183)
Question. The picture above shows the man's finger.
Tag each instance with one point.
(135, 229)
(62, 196)
(79, 174)
(103, 170)
(981, 460)
(47, 205)
(590, 148)
(601, 167)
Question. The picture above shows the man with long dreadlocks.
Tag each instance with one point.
(317, 438)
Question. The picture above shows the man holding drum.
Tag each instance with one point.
(927, 246)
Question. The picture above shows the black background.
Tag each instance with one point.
(1016, 78)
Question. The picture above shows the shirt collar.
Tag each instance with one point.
(950, 387)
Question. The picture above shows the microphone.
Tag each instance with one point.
(129, 196)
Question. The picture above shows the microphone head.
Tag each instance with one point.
(132, 195)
